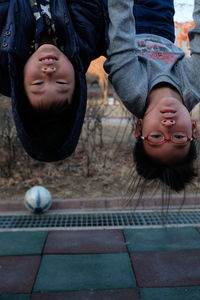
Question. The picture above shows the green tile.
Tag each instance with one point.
(15, 297)
(180, 293)
(22, 243)
(162, 239)
(85, 272)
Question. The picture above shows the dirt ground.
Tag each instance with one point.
(98, 168)
(69, 184)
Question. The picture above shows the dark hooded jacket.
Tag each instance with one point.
(81, 25)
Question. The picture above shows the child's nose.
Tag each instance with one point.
(168, 123)
(48, 69)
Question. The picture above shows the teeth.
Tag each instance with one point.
(48, 59)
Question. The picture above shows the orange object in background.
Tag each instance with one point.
(182, 40)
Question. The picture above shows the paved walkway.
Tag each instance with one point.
(111, 264)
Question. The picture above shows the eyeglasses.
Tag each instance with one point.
(158, 138)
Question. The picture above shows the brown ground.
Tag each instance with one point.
(94, 170)
(65, 183)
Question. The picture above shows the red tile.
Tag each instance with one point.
(167, 269)
(18, 274)
(126, 294)
(85, 241)
(65, 205)
(11, 206)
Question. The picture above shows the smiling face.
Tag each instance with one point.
(166, 116)
(48, 77)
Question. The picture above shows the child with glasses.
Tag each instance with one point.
(159, 85)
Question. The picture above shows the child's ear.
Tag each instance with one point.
(194, 129)
(138, 128)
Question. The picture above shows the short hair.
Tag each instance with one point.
(175, 175)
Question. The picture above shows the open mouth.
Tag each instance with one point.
(168, 110)
(168, 113)
(48, 58)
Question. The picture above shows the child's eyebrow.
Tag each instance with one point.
(62, 91)
(37, 92)
(180, 146)
(175, 145)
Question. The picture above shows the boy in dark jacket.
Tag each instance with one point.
(46, 47)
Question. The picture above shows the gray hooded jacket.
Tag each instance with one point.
(136, 63)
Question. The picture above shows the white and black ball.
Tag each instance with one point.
(38, 199)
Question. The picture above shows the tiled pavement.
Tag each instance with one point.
(112, 264)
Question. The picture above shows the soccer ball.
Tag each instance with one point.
(38, 199)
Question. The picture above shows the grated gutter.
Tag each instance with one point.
(101, 220)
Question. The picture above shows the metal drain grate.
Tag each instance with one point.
(101, 220)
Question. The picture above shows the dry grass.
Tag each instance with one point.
(98, 168)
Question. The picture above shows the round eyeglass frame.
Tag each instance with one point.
(169, 140)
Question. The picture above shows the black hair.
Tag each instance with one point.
(175, 175)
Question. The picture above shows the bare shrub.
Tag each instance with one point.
(102, 148)
(92, 135)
